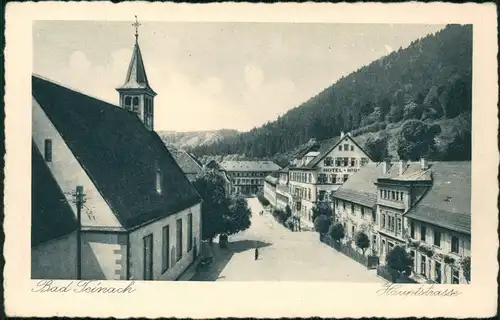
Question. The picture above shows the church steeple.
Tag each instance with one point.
(135, 94)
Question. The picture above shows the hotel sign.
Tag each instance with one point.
(340, 170)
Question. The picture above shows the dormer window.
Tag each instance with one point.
(159, 179)
(48, 150)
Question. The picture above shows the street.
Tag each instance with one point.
(283, 256)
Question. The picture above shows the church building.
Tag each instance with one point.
(116, 205)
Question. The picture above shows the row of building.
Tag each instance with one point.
(423, 206)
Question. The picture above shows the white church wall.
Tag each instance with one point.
(176, 268)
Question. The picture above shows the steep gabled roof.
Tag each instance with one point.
(118, 153)
(448, 202)
(187, 163)
(51, 215)
(136, 73)
(360, 187)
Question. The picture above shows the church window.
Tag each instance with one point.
(128, 103)
(135, 104)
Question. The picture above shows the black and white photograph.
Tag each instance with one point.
(244, 151)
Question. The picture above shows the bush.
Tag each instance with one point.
(399, 260)
(262, 199)
(322, 224)
(336, 232)
(362, 241)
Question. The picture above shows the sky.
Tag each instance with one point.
(211, 76)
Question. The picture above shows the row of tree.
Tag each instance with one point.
(397, 259)
(429, 80)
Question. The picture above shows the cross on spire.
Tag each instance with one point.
(136, 24)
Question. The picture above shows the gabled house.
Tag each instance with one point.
(320, 170)
(140, 217)
(188, 163)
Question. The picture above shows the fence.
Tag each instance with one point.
(370, 262)
(392, 275)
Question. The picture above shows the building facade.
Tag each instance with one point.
(247, 177)
(283, 198)
(424, 207)
(320, 170)
(270, 183)
(139, 214)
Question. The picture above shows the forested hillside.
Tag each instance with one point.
(428, 81)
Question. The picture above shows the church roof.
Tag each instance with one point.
(118, 153)
(136, 73)
(51, 215)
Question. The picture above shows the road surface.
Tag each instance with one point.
(283, 256)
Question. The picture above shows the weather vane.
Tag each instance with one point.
(136, 24)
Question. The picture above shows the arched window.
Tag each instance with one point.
(128, 103)
(135, 104)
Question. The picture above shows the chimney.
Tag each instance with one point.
(402, 165)
(423, 164)
(342, 134)
(386, 165)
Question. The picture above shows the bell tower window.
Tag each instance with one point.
(158, 181)
(135, 104)
(128, 103)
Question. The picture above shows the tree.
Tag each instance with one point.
(417, 140)
(377, 148)
(210, 186)
(412, 111)
(336, 231)
(322, 209)
(322, 224)
(238, 216)
(457, 96)
(400, 260)
(465, 264)
(362, 241)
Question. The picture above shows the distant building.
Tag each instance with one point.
(141, 216)
(270, 183)
(320, 170)
(247, 177)
(422, 206)
(188, 163)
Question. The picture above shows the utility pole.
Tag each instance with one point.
(79, 200)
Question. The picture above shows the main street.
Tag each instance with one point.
(283, 256)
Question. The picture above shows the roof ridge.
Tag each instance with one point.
(36, 75)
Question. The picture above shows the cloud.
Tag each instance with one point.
(78, 62)
(254, 77)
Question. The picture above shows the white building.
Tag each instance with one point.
(141, 216)
(320, 170)
(270, 183)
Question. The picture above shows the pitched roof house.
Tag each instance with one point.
(136, 193)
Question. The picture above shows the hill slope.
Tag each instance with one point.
(429, 80)
(192, 139)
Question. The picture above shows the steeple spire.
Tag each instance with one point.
(135, 94)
